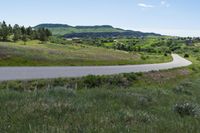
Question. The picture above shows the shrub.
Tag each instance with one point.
(144, 117)
(143, 57)
(198, 58)
(117, 80)
(187, 109)
(59, 82)
(182, 90)
(145, 100)
(186, 56)
(15, 85)
(130, 76)
(92, 81)
(121, 80)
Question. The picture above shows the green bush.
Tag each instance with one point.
(92, 81)
(16, 85)
(182, 90)
(187, 109)
(145, 100)
(143, 57)
(121, 80)
(130, 76)
(186, 55)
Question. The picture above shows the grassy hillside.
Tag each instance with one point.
(166, 101)
(35, 53)
(163, 102)
(60, 29)
(91, 31)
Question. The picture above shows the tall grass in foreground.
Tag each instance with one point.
(98, 104)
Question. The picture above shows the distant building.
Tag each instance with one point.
(76, 39)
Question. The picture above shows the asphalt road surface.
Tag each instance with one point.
(27, 73)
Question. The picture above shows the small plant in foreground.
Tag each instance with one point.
(145, 117)
(187, 109)
(145, 100)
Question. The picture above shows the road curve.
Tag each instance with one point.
(27, 73)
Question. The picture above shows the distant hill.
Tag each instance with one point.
(91, 31)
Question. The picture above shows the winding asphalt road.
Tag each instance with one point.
(27, 73)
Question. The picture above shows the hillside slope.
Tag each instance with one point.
(35, 53)
(91, 31)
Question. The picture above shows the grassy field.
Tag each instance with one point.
(35, 53)
(167, 101)
(154, 102)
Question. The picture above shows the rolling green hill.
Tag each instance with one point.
(91, 31)
(62, 29)
(36, 53)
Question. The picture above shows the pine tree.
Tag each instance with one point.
(42, 35)
(10, 29)
(22, 33)
(16, 32)
(29, 32)
(4, 31)
(24, 38)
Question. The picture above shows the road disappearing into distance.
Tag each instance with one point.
(28, 73)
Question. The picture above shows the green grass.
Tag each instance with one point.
(67, 105)
(35, 53)
(116, 103)
(69, 30)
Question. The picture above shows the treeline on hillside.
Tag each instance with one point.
(109, 34)
(15, 33)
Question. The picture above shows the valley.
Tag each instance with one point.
(98, 81)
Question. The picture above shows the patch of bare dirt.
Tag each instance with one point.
(3, 56)
(166, 75)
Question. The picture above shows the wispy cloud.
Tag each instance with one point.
(164, 3)
(145, 5)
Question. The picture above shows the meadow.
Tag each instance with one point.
(165, 101)
(154, 102)
(36, 53)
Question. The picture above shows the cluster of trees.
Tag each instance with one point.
(15, 33)
(109, 34)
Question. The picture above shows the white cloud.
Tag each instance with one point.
(164, 3)
(145, 5)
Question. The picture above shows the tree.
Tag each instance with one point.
(24, 38)
(29, 32)
(48, 32)
(23, 30)
(10, 29)
(44, 34)
(22, 33)
(16, 32)
(4, 31)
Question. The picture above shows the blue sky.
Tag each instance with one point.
(171, 17)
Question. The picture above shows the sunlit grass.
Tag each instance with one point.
(35, 53)
(65, 106)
